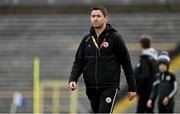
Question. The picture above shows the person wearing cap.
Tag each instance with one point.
(144, 73)
(164, 86)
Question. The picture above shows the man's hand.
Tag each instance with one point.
(131, 95)
(72, 86)
(149, 103)
(165, 101)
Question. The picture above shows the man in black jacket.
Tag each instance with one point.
(99, 57)
(144, 73)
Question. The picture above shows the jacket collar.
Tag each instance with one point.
(107, 29)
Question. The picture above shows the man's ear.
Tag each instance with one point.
(106, 18)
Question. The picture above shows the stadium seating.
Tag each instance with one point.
(54, 39)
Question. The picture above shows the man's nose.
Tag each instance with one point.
(95, 18)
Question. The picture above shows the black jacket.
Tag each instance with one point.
(101, 66)
(164, 85)
(144, 74)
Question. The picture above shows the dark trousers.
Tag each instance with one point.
(166, 109)
(102, 100)
(142, 107)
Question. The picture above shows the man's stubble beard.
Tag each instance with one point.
(98, 27)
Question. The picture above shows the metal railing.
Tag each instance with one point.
(56, 95)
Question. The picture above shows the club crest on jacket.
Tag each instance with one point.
(105, 44)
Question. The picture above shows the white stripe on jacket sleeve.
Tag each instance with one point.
(174, 90)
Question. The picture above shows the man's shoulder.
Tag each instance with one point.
(144, 58)
(86, 37)
(116, 35)
(147, 57)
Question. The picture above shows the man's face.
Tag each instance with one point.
(98, 19)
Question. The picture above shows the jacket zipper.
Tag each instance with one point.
(162, 77)
(97, 54)
(98, 47)
(96, 71)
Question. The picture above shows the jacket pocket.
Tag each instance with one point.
(108, 71)
(88, 74)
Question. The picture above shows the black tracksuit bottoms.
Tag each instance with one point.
(102, 100)
(141, 106)
(166, 109)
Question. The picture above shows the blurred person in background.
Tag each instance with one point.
(144, 73)
(99, 57)
(164, 86)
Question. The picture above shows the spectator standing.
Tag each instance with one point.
(144, 73)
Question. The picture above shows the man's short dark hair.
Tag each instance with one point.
(101, 8)
(145, 41)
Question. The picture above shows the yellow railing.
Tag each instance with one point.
(36, 85)
(39, 90)
(56, 87)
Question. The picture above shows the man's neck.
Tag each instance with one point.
(99, 30)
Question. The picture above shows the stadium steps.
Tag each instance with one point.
(23, 37)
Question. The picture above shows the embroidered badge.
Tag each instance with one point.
(168, 78)
(108, 100)
(105, 44)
